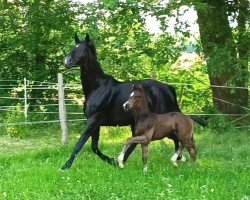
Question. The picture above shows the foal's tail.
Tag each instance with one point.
(199, 120)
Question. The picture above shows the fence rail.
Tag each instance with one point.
(26, 85)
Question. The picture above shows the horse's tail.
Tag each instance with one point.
(198, 119)
(175, 98)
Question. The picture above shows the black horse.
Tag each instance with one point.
(104, 98)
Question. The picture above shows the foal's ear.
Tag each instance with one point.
(137, 87)
(140, 88)
(77, 40)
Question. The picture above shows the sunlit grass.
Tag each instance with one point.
(29, 169)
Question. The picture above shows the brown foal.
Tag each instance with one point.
(151, 126)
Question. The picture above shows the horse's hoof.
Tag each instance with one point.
(120, 163)
(113, 162)
(145, 169)
(61, 170)
(65, 167)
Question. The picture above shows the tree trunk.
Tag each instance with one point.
(221, 56)
(243, 49)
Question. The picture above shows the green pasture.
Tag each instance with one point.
(29, 168)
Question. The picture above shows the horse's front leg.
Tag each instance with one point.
(95, 139)
(121, 156)
(92, 123)
(80, 143)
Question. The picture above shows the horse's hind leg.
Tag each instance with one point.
(173, 136)
(95, 139)
(176, 155)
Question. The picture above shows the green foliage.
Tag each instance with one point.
(14, 116)
(34, 35)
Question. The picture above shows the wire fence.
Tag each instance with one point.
(20, 91)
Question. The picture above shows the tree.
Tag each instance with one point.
(32, 36)
(226, 49)
(226, 60)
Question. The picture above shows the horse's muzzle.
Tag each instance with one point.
(68, 61)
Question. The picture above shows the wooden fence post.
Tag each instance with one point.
(62, 109)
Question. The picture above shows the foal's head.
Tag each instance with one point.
(84, 51)
(137, 100)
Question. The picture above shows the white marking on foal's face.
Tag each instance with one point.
(77, 45)
(124, 105)
(132, 94)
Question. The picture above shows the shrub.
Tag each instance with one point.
(14, 116)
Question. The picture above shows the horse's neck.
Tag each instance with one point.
(91, 74)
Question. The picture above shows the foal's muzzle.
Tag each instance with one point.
(126, 106)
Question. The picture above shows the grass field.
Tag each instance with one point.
(29, 168)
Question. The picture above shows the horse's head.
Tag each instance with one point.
(82, 52)
(137, 99)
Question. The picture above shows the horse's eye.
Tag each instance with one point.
(84, 49)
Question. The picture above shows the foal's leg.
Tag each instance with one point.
(144, 156)
(95, 139)
(191, 149)
(129, 142)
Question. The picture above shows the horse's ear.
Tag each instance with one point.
(77, 40)
(87, 39)
(133, 87)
